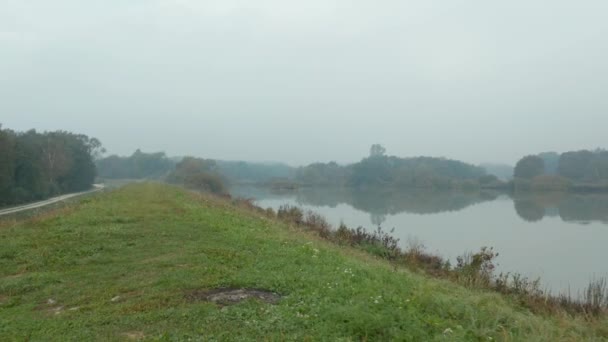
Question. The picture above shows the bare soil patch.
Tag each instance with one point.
(230, 296)
(134, 335)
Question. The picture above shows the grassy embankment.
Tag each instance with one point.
(124, 265)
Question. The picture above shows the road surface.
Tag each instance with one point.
(96, 187)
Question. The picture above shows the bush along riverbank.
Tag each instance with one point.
(155, 262)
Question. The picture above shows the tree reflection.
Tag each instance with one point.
(579, 208)
(380, 203)
(377, 219)
(529, 210)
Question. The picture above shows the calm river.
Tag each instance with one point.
(561, 238)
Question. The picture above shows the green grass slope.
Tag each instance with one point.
(121, 265)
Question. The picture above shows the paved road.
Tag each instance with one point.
(96, 187)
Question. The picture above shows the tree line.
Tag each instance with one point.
(379, 170)
(36, 165)
(139, 165)
(583, 170)
(198, 174)
(376, 170)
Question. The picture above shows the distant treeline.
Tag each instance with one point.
(137, 166)
(198, 174)
(379, 170)
(376, 170)
(194, 173)
(35, 165)
(157, 165)
(247, 172)
(577, 170)
(581, 170)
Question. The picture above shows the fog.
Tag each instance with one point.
(308, 81)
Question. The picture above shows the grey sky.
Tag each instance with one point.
(301, 81)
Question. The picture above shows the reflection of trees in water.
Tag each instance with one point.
(380, 203)
(529, 206)
(377, 219)
(529, 210)
(569, 207)
(584, 208)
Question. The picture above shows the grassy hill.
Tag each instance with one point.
(141, 263)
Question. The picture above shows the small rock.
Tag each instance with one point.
(115, 299)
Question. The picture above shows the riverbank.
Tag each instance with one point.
(143, 261)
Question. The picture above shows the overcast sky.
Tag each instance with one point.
(314, 80)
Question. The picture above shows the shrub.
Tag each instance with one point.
(290, 214)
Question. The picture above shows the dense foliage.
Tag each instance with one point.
(323, 174)
(37, 165)
(246, 172)
(584, 166)
(199, 174)
(585, 170)
(381, 170)
(376, 170)
(415, 172)
(529, 167)
(139, 165)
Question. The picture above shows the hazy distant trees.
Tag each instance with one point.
(323, 174)
(551, 162)
(552, 171)
(7, 166)
(247, 172)
(377, 150)
(381, 170)
(375, 170)
(502, 171)
(199, 174)
(584, 166)
(529, 167)
(139, 165)
(38, 165)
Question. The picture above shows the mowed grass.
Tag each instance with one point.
(120, 266)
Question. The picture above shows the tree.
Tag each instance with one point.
(37, 165)
(56, 158)
(377, 150)
(138, 165)
(199, 174)
(7, 165)
(577, 165)
(529, 167)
